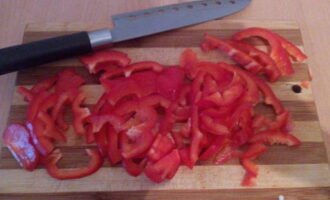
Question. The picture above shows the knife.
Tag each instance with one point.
(126, 26)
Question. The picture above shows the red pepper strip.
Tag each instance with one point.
(26, 93)
(142, 66)
(155, 100)
(90, 134)
(275, 137)
(270, 68)
(165, 168)
(236, 54)
(189, 62)
(210, 86)
(161, 146)
(63, 98)
(138, 146)
(283, 122)
(113, 146)
(17, 139)
(133, 168)
(106, 56)
(98, 121)
(51, 161)
(111, 74)
(218, 144)
(50, 130)
(35, 105)
(252, 94)
(278, 54)
(41, 143)
(44, 85)
(254, 150)
(219, 112)
(178, 139)
(185, 157)
(293, 51)
(169, 82)
(68, 80)
(79, 114)
(224, 98)
(60, 120)
(100, 103)
(101, 140)
(249, 166)
(226, 154)
(269, 96)
(197, 136)
(123, 89)
(212, 127)
(249, 180)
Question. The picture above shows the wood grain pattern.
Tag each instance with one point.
(281, 167)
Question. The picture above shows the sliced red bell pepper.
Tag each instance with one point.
(189, 62)
(99, 120)
(142, 66)
(218, 144)
(42, 144)
(17, 139)
(113, 146)
(90, 134)
(35, 104)
(226, 154)
(165, 168)
(68, 80)
(270, 68)
(293, 51)
(283, 122)
(49, 129)
(276, 137)
(63, 98)
(79, 114)
(161, 146)
(249, 180)
(212, 127)
(250, 166)
(106, 56)
(134, 168)
(278, 54)
(101, 140)
(178, 139)
(252, 93)
(254, 150)
(169, 82)
(44, 85)
(52, 159)
(185, 157)
(269, 96)
(26, 93)
(248, 62)
(197, 136)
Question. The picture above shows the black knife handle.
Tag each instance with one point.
(36, 53)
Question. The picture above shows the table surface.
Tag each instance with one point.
(312, 16)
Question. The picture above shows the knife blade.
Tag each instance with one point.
(126, 26)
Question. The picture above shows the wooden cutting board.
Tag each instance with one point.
(295, 173)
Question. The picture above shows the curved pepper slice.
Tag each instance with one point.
(270, 68)
(254, 150)
(276, 137)
(17, 139)
(107, 56)
(269, 96)
(248, 62)
(278, 54)
(226, 154)
(68, 80)
(134, 168)
(35, 105)
(101, 140)
(165, 168)
(113, 146)
(52, 159)
(252, 93)
(79, 114)
(161, 146)
(212, 126)
(42, 144)
(217, 145)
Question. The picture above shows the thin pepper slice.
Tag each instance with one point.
(79, 114)
(51, 161)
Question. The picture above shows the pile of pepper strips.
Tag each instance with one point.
(153, 118)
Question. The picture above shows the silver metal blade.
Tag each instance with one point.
(146, 22)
